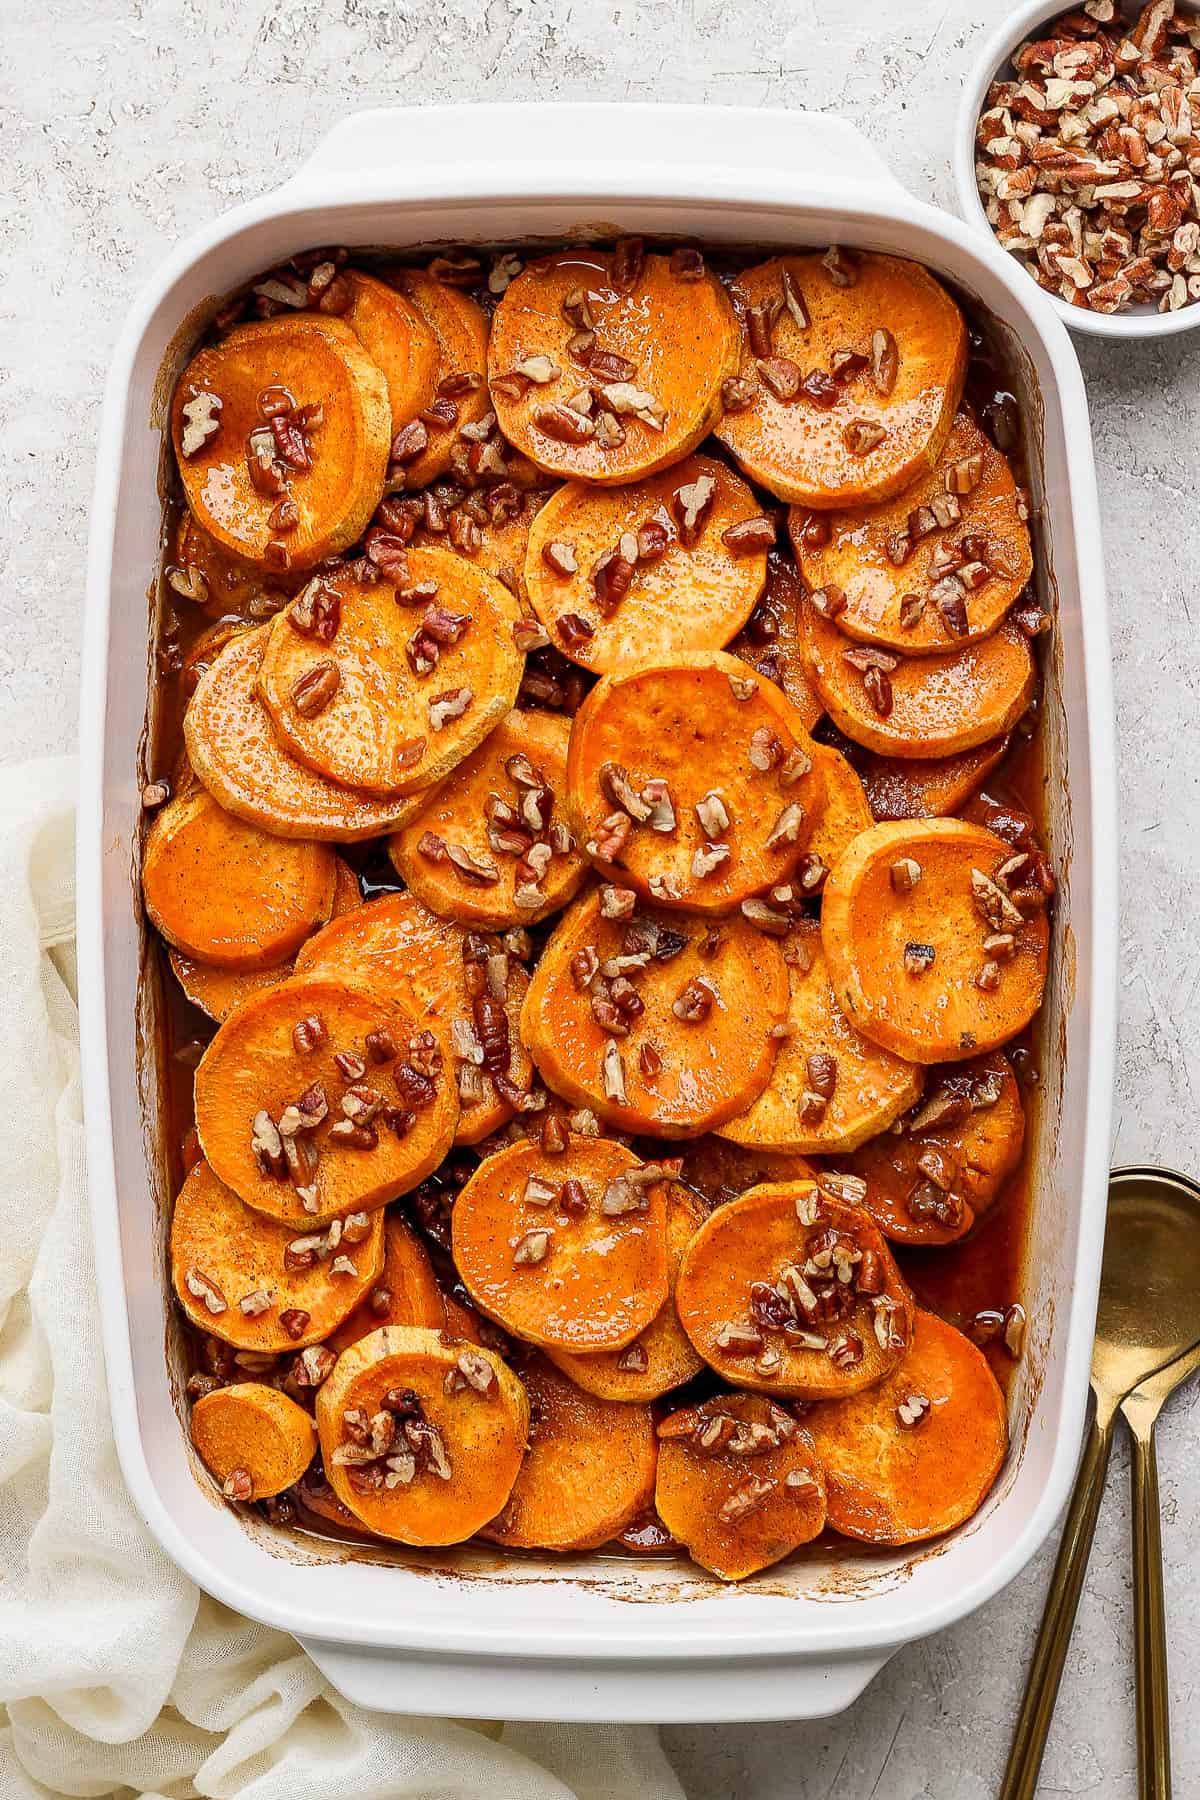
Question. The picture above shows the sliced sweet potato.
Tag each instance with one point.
(405, 1293)
(933, 788)
(928, 952)
(920, 706)
(355, 1079)
(845, 812)
(662, 1357)
(252, 1439)
(689, 584)
(568, 1250)
(936, 568)
(771, 642)
(490, 845)
(414, 677)
(490, 525)
(203, 571)
(233, 748)
(739, 1483)
(261, 1285)
(281, 433)
(402, 950)
(659, 1024)
(916, 1455)
(218, 992)
(226, 892)
(398, 340)
(831, 1088)
(642, 351)
(588, 1472)
(693, 782)
(931, 1182)
(792, 1291)
(421, 1439)
(852, 367)
(461, 332)
(718, 1170)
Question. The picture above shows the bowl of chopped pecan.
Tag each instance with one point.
(1078, 146)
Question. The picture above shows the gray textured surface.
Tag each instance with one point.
(124, 126)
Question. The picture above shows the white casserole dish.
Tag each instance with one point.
(471, 1632)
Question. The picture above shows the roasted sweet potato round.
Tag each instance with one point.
(203, 571)
(625, 576)
(646, 349)
(931, 1182)
(281, 432)
(935, 787)
(659, 1024)
(461, 333)
(929, 953)
(421, 1439)
(432, 967)
(739, 1483)
(845, 811)
(693, 782)
(568, 1250)
(252, 1439)
(831, 1088)
(413, 678)
(489, 525)
(261, 1285)
(233, 748)
(226, 892)
(920, 706)
(936, 568)
(852, 366)
(662, 1357)
(916, 1455)
(490, 845)
(717, 1170)
(406, 1291)
(771, 641)
(353, 1078)
(398, 340)
(588, 1471)
(793, 1292)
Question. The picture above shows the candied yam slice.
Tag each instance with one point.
(928, 953)
(686, 586)
(845, 812)
(931, 1182)
(490, 525)
(772, 643)
(920, 706)
(652, 360)
(935, 568)
(325, 453)
(460, 330)
(252, 1439)
(420, 1438)
(405, 1293)
(693, 782)
(226, 892)
(739, 1483)
(662, 1357)
(718, 1170)
(203, 571)
(568, 1250)
(491, 845)
(601, 1020)
(588, 1471)
(413, 679)
(855, 365)
(932, 788)
(915, 1456)
(261, 1285)
(764, 1299)
(398, 340)
(354, 1078)
(218, 992)
(234, 750)
(831, 1088)
(402, 950)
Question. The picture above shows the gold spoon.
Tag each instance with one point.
(1148, 1317)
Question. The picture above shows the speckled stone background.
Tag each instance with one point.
(124, 126)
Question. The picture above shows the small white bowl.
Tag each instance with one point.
(1143, 321)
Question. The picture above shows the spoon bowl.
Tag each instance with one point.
(1149, 1309)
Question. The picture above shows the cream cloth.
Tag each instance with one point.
(116, 1674)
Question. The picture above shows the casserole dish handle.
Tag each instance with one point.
(661, 146)
(619, 1691)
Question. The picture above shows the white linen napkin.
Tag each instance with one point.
(116, 1674)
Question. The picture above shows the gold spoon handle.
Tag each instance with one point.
(1058, 1619)
(1149, 1613)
